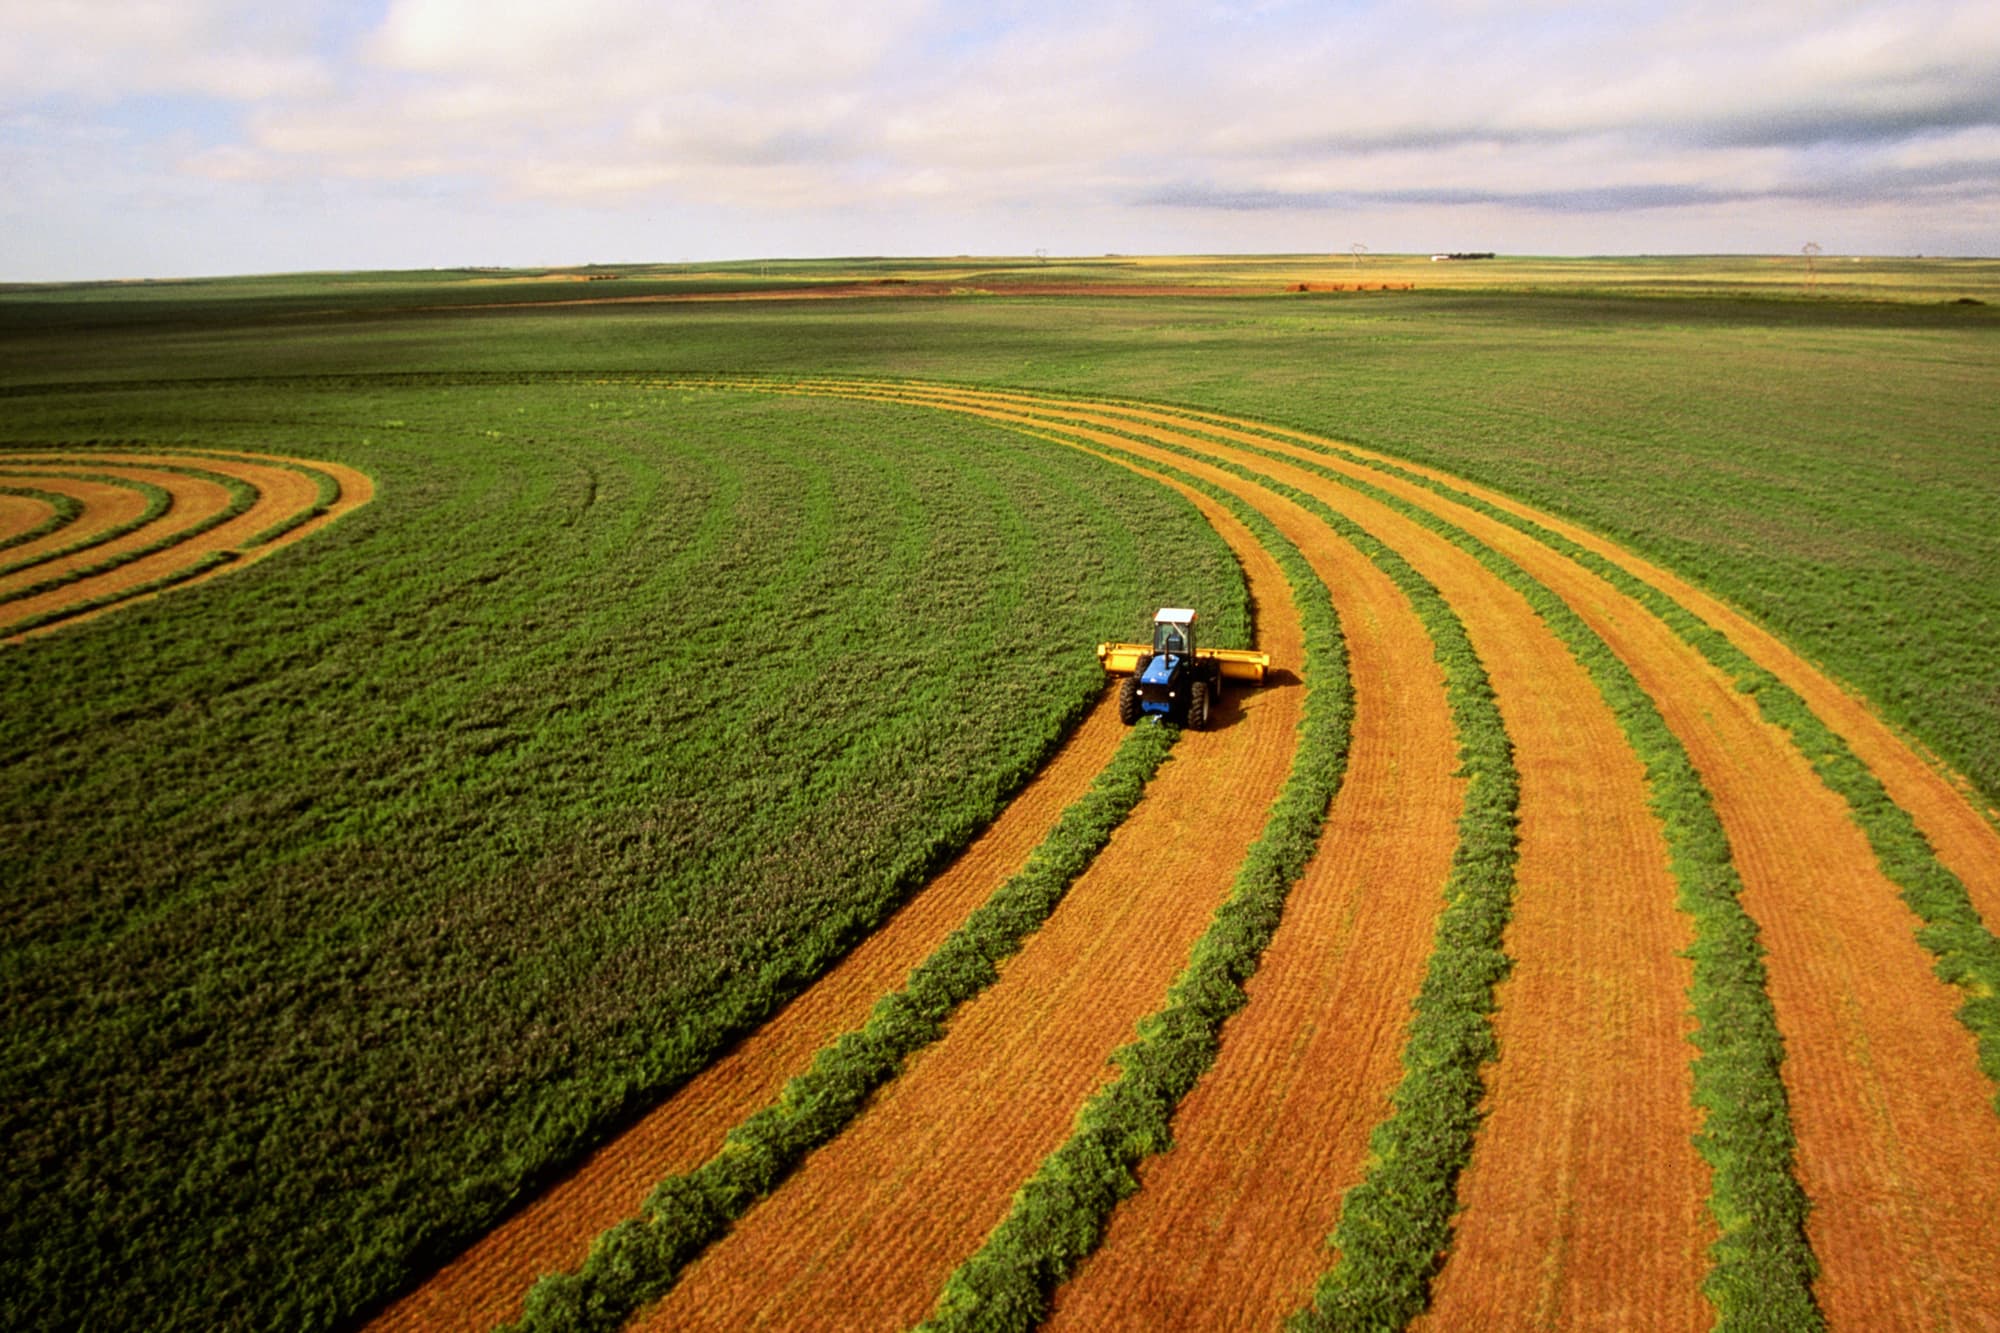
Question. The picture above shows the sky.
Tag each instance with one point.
(175, 138)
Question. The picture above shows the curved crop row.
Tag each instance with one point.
(63, 511)
(1750, 1202)
(154, 550)
(1060, 1212)
(1763, 1264)
(1968, 954)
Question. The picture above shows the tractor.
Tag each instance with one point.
(1172, 679)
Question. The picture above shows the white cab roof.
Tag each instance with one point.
(1178, 615)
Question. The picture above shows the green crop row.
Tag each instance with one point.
(158, 502)
(1967, 953)
(640, 1259)
(1059, 1215)
(1763, 1263)
(67, 510)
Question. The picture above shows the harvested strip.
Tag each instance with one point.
(1896, 1148)
(1763, 1267)
(109, 507)
(1965, 841)
(1059, 1215)
(199, 500)
(870, 1226)
(199, 536)
(1588, 836)
(488, 1283)
(27, 514)
(1583, 1195)
(1226, 1229)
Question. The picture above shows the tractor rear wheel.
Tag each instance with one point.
(1128, 700)
(1198, 706)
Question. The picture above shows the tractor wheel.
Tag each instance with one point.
(1128, 700)
(1198, 706)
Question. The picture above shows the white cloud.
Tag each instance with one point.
(107, 49)
(782, 114)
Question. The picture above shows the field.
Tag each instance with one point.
(631, 797)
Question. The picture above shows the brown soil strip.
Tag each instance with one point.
(1228, 1227)
(1965, 840)
(1585, 1193)
(21, 514)
(488, 1283)
(1899, 1149)
(281, 494)
(866, 1231)
(105, 506)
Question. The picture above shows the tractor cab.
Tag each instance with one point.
(1173, 632)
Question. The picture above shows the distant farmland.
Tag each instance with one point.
(666, 858)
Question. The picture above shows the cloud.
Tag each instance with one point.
(782, 114)
(109, 49)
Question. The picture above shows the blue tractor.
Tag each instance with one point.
(1173, 680)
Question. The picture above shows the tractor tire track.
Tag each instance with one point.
(868, 1228)
(487, 1284)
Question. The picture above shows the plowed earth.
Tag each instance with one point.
(96, 563)
(1584, 1202)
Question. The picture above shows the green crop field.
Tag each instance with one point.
(348, 899)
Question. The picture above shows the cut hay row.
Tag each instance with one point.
(134, 524)
(27, 514)
(1897, 1182)
(1687, 786)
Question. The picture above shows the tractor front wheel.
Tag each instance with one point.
(1198, 706)
(1128, 700)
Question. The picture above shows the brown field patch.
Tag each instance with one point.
(1898, 1144)
(21, 515)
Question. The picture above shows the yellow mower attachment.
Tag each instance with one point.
(1173, 678)
(1122, 659)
